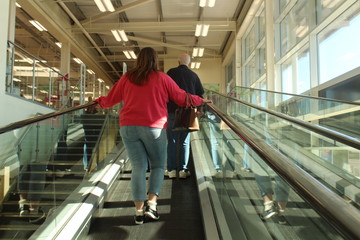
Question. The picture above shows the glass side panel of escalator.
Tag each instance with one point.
(339, 116)
(45, 162)
(241, 177)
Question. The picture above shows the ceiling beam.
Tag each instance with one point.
(183, 26)
(207, 52)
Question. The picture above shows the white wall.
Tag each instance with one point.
(14, 108)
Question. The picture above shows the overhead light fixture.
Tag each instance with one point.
(105, 5)
(59, 44)
(198, 52)
(100, 80)
(90, 71)
(202, 29)
(207, 3)
(130, 54)
(18, 5)
(195, 65)
(77, 60)
(38, 25)
(120, 35)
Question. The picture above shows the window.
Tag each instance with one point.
(325, 7)
(344, 34)
(295, 72)
(296, 25)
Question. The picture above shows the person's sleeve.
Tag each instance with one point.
(177, 95)
(113, 97)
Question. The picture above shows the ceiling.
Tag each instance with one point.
(166, 25)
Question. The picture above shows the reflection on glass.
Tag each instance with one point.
(325, 7)
(251, 193)
(296, 25)
(47, 162)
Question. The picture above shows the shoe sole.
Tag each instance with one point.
(270, 215)
(152, 216)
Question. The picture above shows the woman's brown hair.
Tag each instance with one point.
(146, 62)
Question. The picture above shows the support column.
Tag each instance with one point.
(7, 22)
(65, 71)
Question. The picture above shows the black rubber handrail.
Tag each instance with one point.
(337, 136)
(344, 217)
(303, 96)
(29, 121)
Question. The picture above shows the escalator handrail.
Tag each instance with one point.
(32, 120)
(302, 96)
(337, 136)
(340, 214)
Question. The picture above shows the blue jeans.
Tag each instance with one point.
(32, 181)
(175, 140)
(215, 150)
(145, 146)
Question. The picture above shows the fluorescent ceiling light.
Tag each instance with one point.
(104, 5)
(59, 44)
(195, 65)
(77, 60)
(90, 71)
(198, 52)
(127, 54)
(207, 3)
(130, 54)
(18, 5)
(133, 55)
(16, 80)
(202, 29)
(100, 80)
(120, 35)
(38, 25)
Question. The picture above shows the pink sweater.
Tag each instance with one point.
(146, 105)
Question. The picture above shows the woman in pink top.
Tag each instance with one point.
(145, 92)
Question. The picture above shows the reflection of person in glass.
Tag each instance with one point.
(92, 130)
(263, 177)
(36, 149)
(214, 142)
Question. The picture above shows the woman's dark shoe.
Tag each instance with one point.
(153, 214)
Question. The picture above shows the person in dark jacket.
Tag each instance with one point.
(179, 142)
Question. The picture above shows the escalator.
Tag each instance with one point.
(240, 151)
(51, 156)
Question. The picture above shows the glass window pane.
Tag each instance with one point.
(296, 72)
(344, 34)
(250, 73)
(296, 25)
(325, 8)
(249, 43)
(261, 61)
(261, 26)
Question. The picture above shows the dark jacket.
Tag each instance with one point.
(186, 80)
